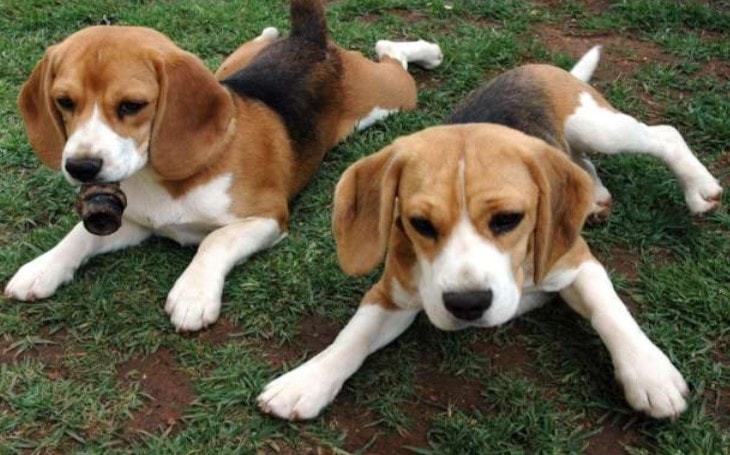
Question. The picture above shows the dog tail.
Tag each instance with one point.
(308, 22)
(585, 67)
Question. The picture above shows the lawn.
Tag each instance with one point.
(99, 368)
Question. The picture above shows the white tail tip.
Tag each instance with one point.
(587, 64)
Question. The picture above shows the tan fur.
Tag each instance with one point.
(417, 176)
(563, 91)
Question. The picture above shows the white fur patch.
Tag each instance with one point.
(403, 298)
(187, 219)
(269, 33)
(468, 262)
(374, 116)
(95, 139)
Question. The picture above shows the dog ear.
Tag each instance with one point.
(42, 120)
(194, 119)
(565, 197)
(363, 210)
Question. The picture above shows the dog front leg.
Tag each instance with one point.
(651, 383)
(41, 277)
(195, 300)
(303, 392)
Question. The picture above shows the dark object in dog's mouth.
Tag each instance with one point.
(100, 206)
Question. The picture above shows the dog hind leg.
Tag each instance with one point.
(600, 129)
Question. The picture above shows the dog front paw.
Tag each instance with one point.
(703, 194)
(653, 385)
(195, 301)
(302, 393)
(39, 278)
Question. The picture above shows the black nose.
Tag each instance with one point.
(83, 169)
(468, 305)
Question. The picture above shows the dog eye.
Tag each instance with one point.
(505, 222)
(129, 108)
(424, 227)
(65, 103)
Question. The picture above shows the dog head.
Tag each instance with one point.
(485, 209)
(106, 101)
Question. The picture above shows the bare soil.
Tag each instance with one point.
(167, 389)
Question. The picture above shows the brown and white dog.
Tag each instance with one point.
(202, 158)
(482, 222)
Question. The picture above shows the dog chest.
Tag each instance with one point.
(185, 219)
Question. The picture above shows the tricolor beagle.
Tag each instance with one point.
(481, 223)
(202, 158)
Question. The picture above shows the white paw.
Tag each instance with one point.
(195, 300)
(653, 385)
(385, 48)
(269, 33)
(39, 278)
(703, 194)
(422, 53)
(429, 55)
(302, 393)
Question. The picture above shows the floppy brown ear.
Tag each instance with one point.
(194, 120)
(566, 194)
(363, 210)
(43, 124)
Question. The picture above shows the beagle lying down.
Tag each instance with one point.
(480, 223)
(202, 158)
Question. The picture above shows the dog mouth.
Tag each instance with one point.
(100, 206)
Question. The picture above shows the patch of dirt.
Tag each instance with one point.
(612, 439)
(720, 168)
(425, 79)
(166, 387)
(365, 435)
(409, 16)
(623, 261)
(621, 55)
(50, 352)
(315, 333)
(217, 334)
(594, 6)
(718, 398)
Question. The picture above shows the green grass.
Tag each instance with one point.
(60, 387)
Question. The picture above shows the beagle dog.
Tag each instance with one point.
(480, 221)
(209, 159)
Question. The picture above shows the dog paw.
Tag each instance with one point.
(429, 56)
(300, 394)
(194, 302)
(703, 195)
(601, 210)
(653, 385)
(422, 53)
(38, 279)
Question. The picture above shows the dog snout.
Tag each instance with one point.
(468, 305)
(83, 169)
